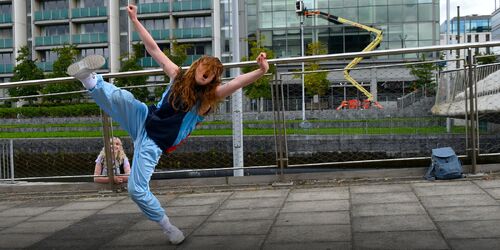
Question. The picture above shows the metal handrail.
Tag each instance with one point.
(274, 61)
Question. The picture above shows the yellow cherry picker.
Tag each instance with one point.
(301, 10)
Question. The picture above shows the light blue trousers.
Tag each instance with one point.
(131, 115)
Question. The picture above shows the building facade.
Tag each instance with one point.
(471, 29)
(495, 27)
(102, 27)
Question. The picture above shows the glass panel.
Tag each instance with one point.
(380, 14)
(395, 13)
(425, 31)
(425, 12)
(411, 30)
(409, 13)
(366, 15)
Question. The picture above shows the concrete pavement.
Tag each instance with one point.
(405, 214)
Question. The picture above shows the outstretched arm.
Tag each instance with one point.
(167, 65)
(245, 79)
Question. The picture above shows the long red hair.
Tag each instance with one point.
(186, 93)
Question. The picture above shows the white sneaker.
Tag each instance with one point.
(83, 68)
(175, 236)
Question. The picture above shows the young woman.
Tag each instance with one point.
(159, 128)
(121, 165)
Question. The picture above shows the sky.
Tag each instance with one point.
(468, 7)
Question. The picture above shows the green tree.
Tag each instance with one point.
(425, 76)
(261, 88)
(130, 62)
(315, 83)
(66, 56)
(25, 69)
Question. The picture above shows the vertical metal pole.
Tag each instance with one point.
(107, 149)
(471, 84)
(237, 97)
(302, 54)
(458, 36)
(11, 160)
(448, 56)
(283, 124)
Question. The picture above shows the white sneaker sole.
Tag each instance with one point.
(88, 63)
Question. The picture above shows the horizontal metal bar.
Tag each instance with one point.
(275, 61)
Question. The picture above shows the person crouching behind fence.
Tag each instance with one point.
(157, 129)
(121, 165)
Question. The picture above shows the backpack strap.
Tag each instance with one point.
(429, 174)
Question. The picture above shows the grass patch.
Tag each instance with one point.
(246, 131)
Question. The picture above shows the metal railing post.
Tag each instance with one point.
(11, 142)
(106, 124)
(471, 84)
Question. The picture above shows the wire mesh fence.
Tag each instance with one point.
(337, 126)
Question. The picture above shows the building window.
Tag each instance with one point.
(54, 5)
(477, 38)
(5, 33)
(55, 30)
(195, 22)
(95, 28)
(94, 3)
(156, 24)
(48, 56)
(469, 38)
(95, 51)
(6, 58)
(5, 9)
(487, 37)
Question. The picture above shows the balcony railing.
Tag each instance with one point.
(192, 33)
(6, 18)
(190, 59)
(51, 40)
(45, 66)
(5, 43)
(89, 12)
(192, 5)
(6, 68)
(148, 8)
(156, 34)
(51, 15)
(90, 38)
(148, 62)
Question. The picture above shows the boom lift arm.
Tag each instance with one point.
(302, 11)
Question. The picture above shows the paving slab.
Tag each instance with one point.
(380, 188)
(315, 233)
(476, 244)
(494, 192)
(470, 229)
(244, 214)
(253, 227)
(387, 209)
(315, 206)
(308, 246)
(253, 203)
(24, 211)
(446, 188)
(393, 223)
(457, 200)
(397, 197)
(190, 210)
(63, 215)
(260, 194)
(85, 205)
(400, 240)
(41, 227)
(12, 220)
(488, 183)
(465, 213)
(11, 241)
(319, 194)
(313, 218)
(237, 242)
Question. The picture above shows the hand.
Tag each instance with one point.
(262, 61)
(132, 12)
(118, 180)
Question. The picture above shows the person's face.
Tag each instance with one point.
(116, 145)
(203, 75)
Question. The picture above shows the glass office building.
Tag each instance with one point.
(405, 23)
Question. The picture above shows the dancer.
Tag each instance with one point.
(159, 128)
